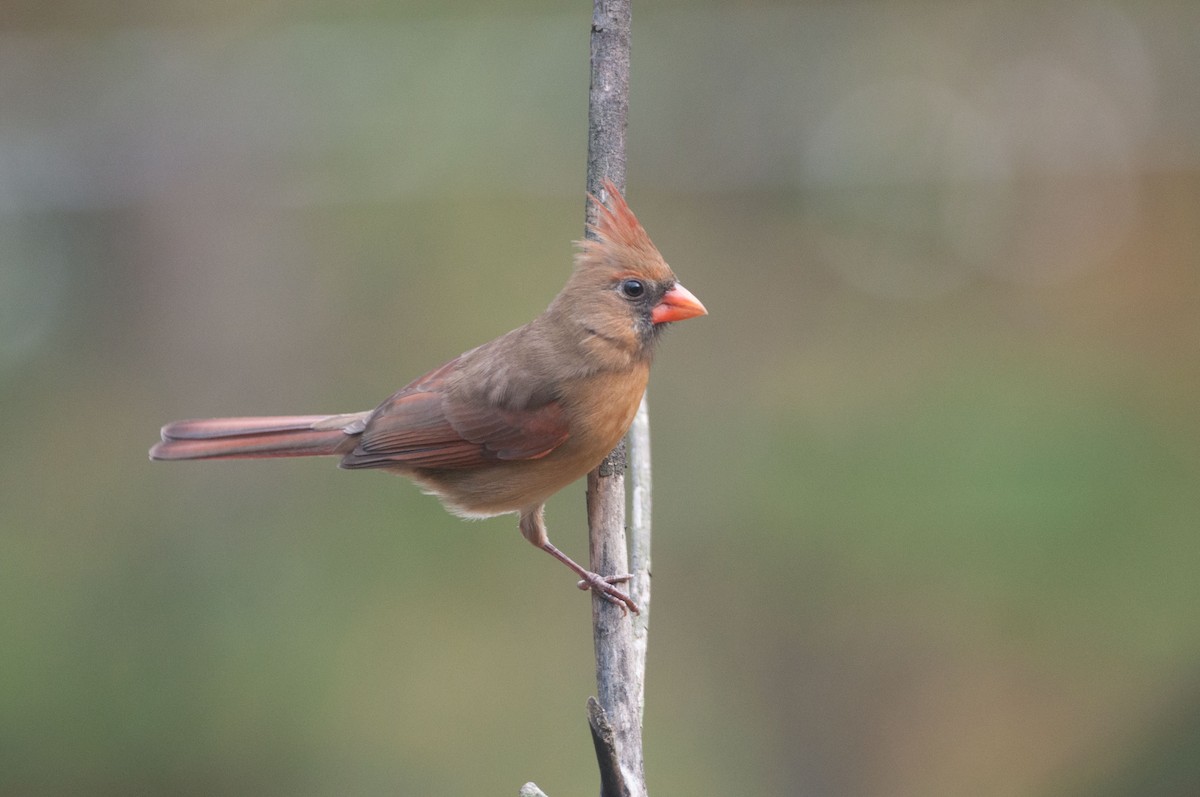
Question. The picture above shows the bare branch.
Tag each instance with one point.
(620, 658)
(639, 543)
(615, 715)
(608, 97)
(612, 779)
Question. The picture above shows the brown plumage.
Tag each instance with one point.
(502, 427)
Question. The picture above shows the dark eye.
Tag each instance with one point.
(633, 288)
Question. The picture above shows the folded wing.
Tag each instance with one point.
(423, 426)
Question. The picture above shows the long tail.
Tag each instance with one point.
(244, 438)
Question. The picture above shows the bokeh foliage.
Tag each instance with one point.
(927, 505)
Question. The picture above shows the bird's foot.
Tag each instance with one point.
(603, 586)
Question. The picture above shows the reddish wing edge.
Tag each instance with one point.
(423, 427)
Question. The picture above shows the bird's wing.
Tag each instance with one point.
(423, 426)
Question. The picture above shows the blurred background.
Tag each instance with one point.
(927, 477)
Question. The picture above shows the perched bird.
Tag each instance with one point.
(502, 427)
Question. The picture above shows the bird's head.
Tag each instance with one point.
(622, 293)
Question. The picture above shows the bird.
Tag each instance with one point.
(500, 428)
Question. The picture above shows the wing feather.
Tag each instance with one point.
(423, 426)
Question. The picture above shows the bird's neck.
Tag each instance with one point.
(606, 344)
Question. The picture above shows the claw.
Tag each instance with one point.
(603, 586)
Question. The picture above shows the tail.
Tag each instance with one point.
(247, 438)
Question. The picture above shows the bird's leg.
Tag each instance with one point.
(533, 528)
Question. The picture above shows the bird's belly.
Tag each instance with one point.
(502, 488)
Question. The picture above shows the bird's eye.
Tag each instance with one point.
(633, 288)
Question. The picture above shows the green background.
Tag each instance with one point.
(927, 477)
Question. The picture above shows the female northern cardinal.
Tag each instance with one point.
(504, 426)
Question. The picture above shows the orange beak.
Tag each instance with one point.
(676, 305)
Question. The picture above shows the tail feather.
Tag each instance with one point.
(248, 438)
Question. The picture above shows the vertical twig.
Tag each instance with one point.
(615, 715)
(608, 95)
(639, 542)
(620, 667)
